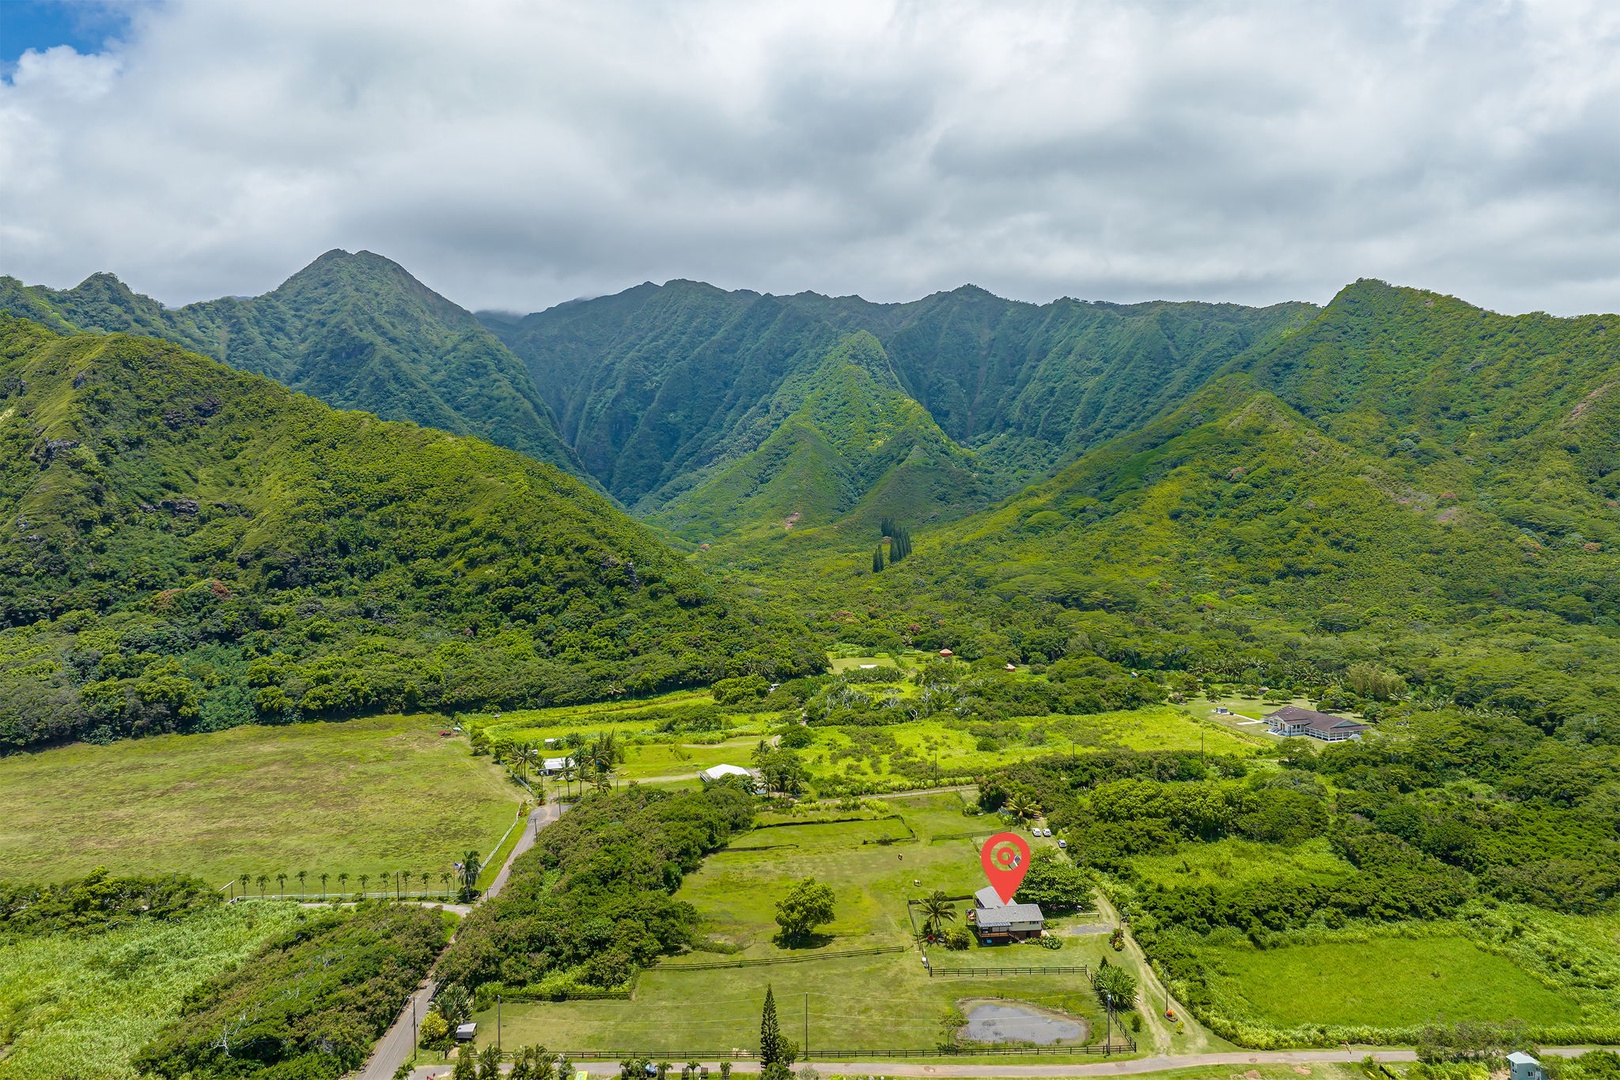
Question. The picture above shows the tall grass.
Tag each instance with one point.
(82, 1006)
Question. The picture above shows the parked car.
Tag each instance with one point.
(1063, 843)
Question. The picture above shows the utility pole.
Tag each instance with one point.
(497, 1023)
(807, 1025)
(412, 999)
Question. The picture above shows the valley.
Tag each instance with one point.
(920, 573)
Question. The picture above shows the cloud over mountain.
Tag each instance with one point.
(521, 154)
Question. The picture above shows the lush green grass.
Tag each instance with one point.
(852, 753)
(869, 1001)
(364, 796)
(82, 1006)
(1234, 862)
(1389, 982)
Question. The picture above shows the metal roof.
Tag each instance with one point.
(1011, 913)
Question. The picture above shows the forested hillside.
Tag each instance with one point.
(849, 446)
(355, 330)
(658, 381)
(1448, 524)
(188, 547)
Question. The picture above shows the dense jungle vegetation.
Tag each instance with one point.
(190, 548)
(592, 901)
(354, 330)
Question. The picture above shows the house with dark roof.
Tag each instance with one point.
(996, 922)
(1293, 720)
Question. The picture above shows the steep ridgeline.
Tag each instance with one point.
(355, 330)
(1408, 482)
(849, 447)
(659, 382)
(189, 547)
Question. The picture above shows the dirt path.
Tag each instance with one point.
(1156, 997)
(395, 1047)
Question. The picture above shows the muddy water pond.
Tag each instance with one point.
(1001, 1022)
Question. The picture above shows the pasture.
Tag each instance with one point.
(1233, 862)
(1387, 982)
(367, 796)
(892, 850)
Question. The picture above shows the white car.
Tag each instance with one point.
(1046, 832)
(1063, 843)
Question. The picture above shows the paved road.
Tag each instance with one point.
(1132, 1067)
(395, 1047)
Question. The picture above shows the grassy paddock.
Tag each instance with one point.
(898, 849)
(366, 796)
(1389, 982)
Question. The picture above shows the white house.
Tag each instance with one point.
(1524, 1067)
(556, 764)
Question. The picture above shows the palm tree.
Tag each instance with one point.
(363, 879)
(343, 882)
(567, 774)
(527, 757)
(244, 879)
(470, 866)
(444, 879)
(404, 875)
(302, 874)
(424, 880)
(264, 879)
(1023, 807)
(936, 909)
(323, 886)
(281, 885)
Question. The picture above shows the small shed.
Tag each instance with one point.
(1525, 1067)
(466, 1032)
(556, 764)
(946, 652)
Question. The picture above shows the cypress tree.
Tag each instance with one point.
(877, 560)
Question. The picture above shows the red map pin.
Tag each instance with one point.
(1006, 861)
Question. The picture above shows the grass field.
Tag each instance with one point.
(366, 796)
(899, 849)
(1235, 862)
(82, 1006)
(1388, 982)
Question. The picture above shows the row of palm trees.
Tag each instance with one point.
(397, 882)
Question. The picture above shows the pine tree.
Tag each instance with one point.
(899, 543)
(772, 1047)
(887, 526)
(877, 560)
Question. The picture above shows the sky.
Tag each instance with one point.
(517, 153)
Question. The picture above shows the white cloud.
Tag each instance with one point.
(516, 154)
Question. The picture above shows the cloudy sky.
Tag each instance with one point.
(515, 154)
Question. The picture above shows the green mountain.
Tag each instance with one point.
(1407, 483)
(355, 330)
(189, 547)
(658, 383)
(849, 447)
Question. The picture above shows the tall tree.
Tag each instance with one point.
(776, 1052)
(877, 560)
(937, 910)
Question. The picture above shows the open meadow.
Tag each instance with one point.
(1388, 982)
(359, 797)
(875, 859)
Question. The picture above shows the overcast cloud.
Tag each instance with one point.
(513, 155)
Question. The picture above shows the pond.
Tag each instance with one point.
(1003, 1023)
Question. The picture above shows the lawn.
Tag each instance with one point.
(83, 1005)
(1387, 982)
(896, 849)
(365, 796)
